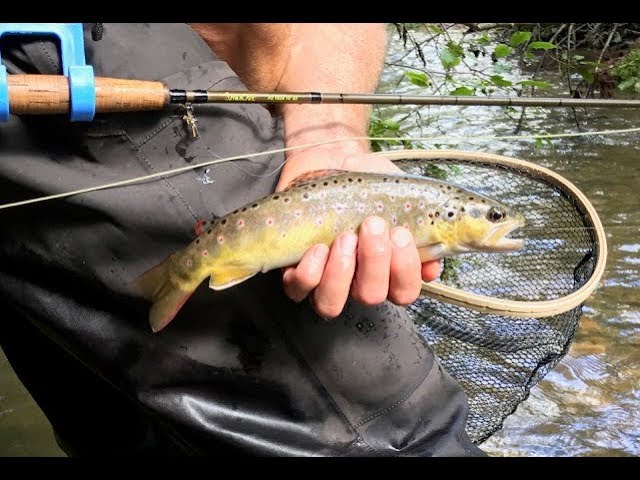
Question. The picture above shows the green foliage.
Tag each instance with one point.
(627, 71)
(533, 83)
(462, 91)
(500, 82)
(541, 46)
(387, 127)
(449, 59)
(502, 50)
(418, 78)
(518, 38)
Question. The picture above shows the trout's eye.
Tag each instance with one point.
(495, 214)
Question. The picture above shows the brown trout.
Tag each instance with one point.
(316, 208)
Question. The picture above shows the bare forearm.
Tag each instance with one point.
(334, 58)
(302, 57)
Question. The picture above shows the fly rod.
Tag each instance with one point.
(49, 94)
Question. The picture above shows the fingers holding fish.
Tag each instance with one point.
(371, 281)
(431, 270)
(331, 294)
(300, 280)
(405, 272)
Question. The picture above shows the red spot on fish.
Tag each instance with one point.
(298, 213)
(269, 222)
(220, 239)
(200, 226)
(405, 225)
(360, 207)
(205, 253)
(421, 205)
(392, 197)
(335, 230)
(407, 206)
(188, 262)
(339, 208)
(379, 206)
(240, 223)
(420, 221)
(394, 219)
(318, 221)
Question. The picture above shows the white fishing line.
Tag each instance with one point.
(309, 145)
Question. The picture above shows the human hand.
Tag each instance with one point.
(378, 263)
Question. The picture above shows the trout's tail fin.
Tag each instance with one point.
(155, 285)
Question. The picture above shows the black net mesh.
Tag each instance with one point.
(496, 359)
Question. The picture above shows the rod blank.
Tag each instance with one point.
(49, 94)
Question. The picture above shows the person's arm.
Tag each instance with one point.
(378, 263)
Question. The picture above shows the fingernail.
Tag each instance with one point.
(318, 252)
(348, 243)
(401, 237)
(375, 225)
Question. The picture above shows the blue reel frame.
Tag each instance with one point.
(81, 78)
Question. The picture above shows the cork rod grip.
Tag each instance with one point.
(49, 94)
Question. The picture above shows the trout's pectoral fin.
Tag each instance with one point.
(435, 251)
(230, 276)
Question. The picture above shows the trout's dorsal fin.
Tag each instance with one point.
(313, 175)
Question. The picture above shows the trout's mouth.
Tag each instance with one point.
(496, 239)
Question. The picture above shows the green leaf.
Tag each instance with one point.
(629, 82)
(448, 59)
(418, 78)
(455, 49)
(391, 124)
(500, 82)
(502, 50)
(462, 91)
(434, 28)
(533, 83)
(541, 46)
(529, 55)
(577, 58)
(484, 39)
(518, 38)
(586, 73)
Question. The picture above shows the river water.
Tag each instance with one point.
(588, 404)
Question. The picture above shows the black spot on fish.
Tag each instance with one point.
(397, 181)
(350, 179)
(448, 187)
(224, 220)
(384, 179)
(313, 185)
(197, 241)
(209, 232)
(462, 209)
(437, 214)
(287, 200)
(431, 222)
(255, 205)
(305, 195)
(359, 180)
(470, 198)
(276, 197)
(325, 183)
(450, 214)
(244, 209)
(335, 182)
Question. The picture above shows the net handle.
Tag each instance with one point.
(515, 308)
